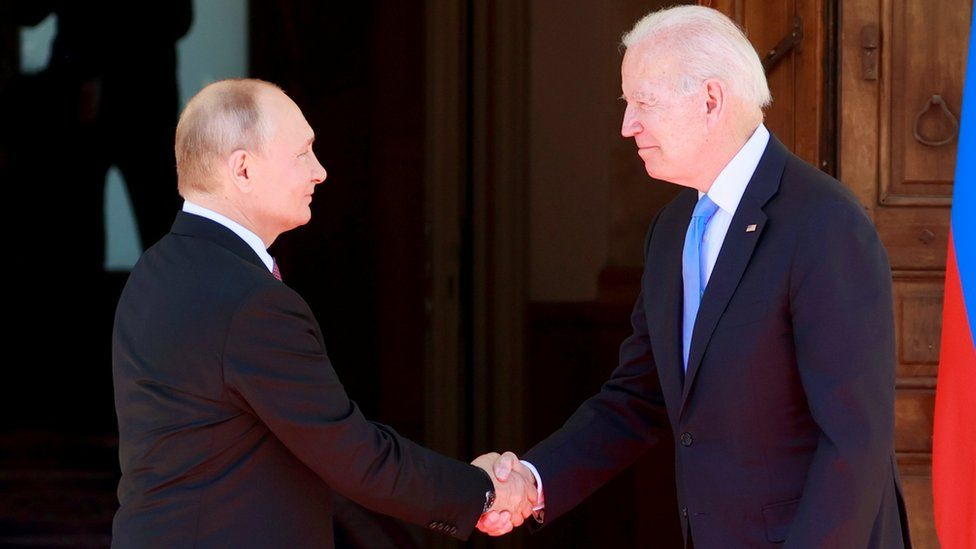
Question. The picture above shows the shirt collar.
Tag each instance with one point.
(727, 189)
(252, 240)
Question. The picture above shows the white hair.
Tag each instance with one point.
(706, 44)
(223, 117)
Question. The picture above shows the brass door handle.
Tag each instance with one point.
(936, 101)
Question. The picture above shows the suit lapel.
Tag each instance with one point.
(735, 254)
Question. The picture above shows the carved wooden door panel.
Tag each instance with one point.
(901, 79)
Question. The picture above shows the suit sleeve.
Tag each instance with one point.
(275, 362)
(609, 431)
(841, 304)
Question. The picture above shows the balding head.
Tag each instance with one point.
(244, 150)
(223, 117)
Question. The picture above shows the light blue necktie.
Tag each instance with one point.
(693, 269)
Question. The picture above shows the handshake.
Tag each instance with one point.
(516, 494)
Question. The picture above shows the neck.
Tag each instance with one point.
(234, 211)
(722, 150)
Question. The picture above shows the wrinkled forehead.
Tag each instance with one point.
(284, 115)
(646, 64)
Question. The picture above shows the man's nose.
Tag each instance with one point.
(630, 126)
(319, 174)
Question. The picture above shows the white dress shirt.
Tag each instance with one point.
(253, 240)
(726, 192)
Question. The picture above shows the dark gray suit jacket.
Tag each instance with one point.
(233, 426)
(784, 424)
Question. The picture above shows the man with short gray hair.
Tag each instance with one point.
(234, 429)
(763, 334)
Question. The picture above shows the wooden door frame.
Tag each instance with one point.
(477, 225)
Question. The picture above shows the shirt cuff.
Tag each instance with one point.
(540, 502)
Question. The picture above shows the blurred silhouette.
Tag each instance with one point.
(113, 82)
(107, 97)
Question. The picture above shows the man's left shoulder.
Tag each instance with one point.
(812, 187)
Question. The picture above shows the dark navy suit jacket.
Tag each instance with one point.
(234, 429)
(783, 425)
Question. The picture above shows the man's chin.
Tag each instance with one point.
(298, 222)
(655, 173)
(659, 175)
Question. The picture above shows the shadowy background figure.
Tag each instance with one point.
(108, 97)
(114, 81)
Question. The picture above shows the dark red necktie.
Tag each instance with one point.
(274, 269)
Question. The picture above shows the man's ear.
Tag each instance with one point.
(238, 166)
(714, 100)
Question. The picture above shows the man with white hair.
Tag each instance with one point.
(763, 334)
(234, 429)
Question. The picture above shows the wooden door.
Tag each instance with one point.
(897, 128)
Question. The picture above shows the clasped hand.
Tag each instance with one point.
(515, 493)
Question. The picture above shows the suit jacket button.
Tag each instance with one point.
(684, 511)
(686, 439)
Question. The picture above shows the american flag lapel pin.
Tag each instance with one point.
(751, 228)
